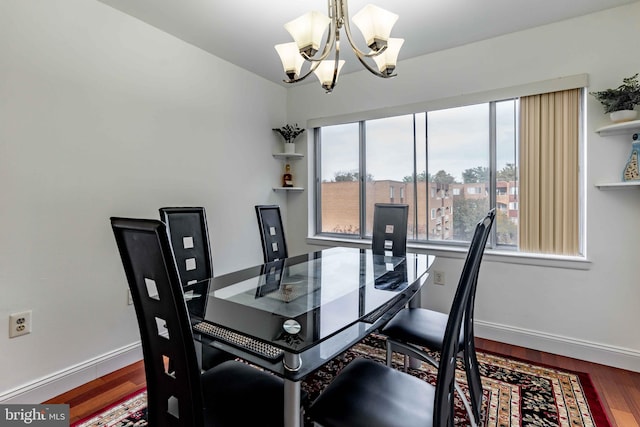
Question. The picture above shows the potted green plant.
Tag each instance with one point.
(621, 101)
(289, 133)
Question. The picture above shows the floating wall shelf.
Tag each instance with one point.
(619, 185)
(288, 189)
(285, 156)
(620, 128)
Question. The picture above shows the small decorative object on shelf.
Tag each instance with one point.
(287, 178)
(631, 171)
(621, 101)
(289, 133)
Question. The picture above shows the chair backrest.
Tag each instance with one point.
(390, 229)
(189, 237)
(174, 398)
(274, 244)
(460, 316)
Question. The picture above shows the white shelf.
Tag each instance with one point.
(620, 128)
(619, 185)
(288, 189)
(285, 156)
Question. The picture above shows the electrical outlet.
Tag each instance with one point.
(19, 324)
(438, 277)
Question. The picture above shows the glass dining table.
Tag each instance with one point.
(292, 316)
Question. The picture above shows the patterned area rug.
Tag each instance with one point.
(516, 393)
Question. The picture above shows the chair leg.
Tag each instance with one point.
(467, 405)
(475, 384)
(390, 349)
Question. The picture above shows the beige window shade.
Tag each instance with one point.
(549, 155)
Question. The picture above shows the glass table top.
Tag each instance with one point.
(296, 302)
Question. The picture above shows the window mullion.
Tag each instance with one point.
(415, 180)
(363, 179)
(427, 188)
(493, 172)
(316, 174)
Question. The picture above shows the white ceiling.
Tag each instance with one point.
(244, 32)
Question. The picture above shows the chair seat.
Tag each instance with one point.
(419, 326)
(369, 394)
(257, 396)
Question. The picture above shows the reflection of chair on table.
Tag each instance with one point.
(392, 278)
(274, 244)
(272, 274)
(189, 237)
(277, 282)
(182, 395)
(413, 329)
(389, 235)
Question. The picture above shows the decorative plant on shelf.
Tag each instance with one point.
(289, 132)
(624, 97)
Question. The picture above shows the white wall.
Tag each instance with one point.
(589, 314)
(103, 115)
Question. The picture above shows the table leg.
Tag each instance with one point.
(415, 302)
(292, 403)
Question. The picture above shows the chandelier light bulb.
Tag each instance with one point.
(375, 24)
(325, 71)
(291, 59)
(307, 31)
(387, 60)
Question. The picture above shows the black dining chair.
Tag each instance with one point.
(274, 244)
(389, 235)
(189, 237)
(412, 330)
(183, 395)
(369, 393)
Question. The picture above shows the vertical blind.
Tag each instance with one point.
(549, 161)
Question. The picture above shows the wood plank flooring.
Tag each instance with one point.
(91, 397)
(619, 390)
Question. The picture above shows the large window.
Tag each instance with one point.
(450, 166)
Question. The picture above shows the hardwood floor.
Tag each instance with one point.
(619, 390)
(91, 397)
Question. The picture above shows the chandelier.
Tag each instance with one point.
(307, 30)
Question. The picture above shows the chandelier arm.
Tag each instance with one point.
(311, 70)
(373, 70)
(359, 53)
(328, 45)
(335, 65)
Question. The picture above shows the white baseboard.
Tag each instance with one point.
(60, 382)
(603, 354)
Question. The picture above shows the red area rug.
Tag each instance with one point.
(516, 393)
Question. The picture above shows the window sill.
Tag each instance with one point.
(491, 255)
